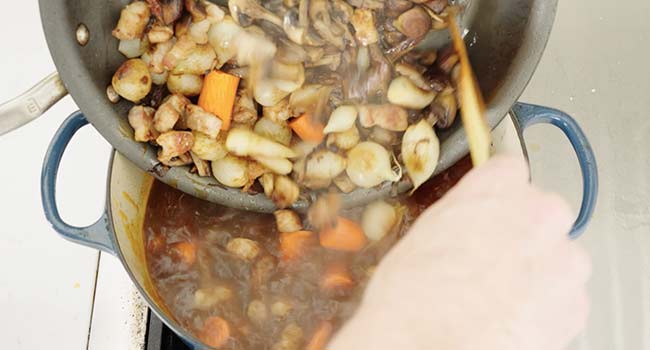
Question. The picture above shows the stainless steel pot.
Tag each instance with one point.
(119, 230)
(510, 38)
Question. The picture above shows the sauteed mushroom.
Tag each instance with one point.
(167, 11)
(414, 23)
(246, 11)
(319, 13)
(197, 9)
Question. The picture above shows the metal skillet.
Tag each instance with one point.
(510, 38)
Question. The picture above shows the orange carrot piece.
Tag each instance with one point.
(215, 332)
(321, 336)
(307, 129)
(346, 235)
(294, 244)
(185, 251)
(336, 279)
(218, 95)
(156, 243)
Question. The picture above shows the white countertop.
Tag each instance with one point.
(591, 70)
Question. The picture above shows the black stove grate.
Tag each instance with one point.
(160, 337)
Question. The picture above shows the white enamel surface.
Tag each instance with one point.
(46, 283)
(119, 318)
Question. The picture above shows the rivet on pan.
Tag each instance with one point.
(112, 94)
(83, 35)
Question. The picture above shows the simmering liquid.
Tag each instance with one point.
(265, 302)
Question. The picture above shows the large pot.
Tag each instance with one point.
(510, 38)
(119, 231)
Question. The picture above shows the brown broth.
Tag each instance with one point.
(174, 217)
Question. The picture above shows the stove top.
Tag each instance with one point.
(160, 337)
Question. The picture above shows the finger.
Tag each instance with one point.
(564, 266)
(500, 171)
(579, 263)
(551, 218)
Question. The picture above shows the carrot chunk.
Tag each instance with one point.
(336, 279)
(346, 235)
(185, 252)
(307, 129)
(218, 95)
(320, 337)
(294, 244)
(215, 332)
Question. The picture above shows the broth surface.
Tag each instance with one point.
(268, 303)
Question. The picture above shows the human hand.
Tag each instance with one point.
(489, 266)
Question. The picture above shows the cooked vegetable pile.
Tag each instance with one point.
(296, 94)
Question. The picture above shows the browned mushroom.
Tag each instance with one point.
(379, 75)
(246, 11)
(437, 5)
(322, 21)
(395, 8)
(414, 75)
(447, 59)
(290, 52)
(202, 167)
(367, 4)
(331, 61)
(182, 26)
(296, 26)
(166, 11)
(244, 111)
(437, 79)
(365, 28)
(197, 9)
(401, 49)
(414, 23)
(342, 14)
(444, 109)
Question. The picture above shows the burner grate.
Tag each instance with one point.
(160, 337)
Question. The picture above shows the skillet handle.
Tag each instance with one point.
(31, 104)
(528, 115)
(97, 235)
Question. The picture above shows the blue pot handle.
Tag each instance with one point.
(528, 115)
(96, 235)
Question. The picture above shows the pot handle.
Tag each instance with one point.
(528, 115)
(31, 104)
(97, 235)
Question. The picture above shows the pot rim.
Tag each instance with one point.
(169, 321)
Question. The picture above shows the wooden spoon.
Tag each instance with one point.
(471, 101)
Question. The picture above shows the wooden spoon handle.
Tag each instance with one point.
(471, 101)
